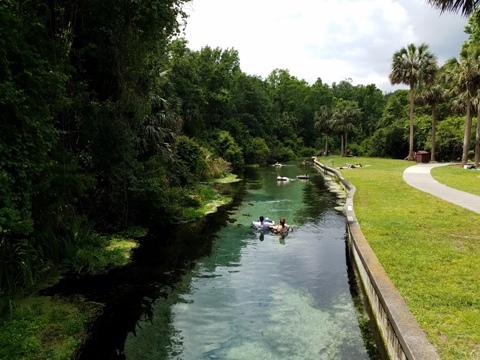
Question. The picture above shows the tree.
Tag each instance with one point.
(463, 78)
(218, 69)
(449, 138)
(344, 90)
(253, 105)
(323, 122)
(186, 86)
(345, 116)
(389, 138)
(291, 97)
(372, 101)
(257, 151)
(477, 133)
(411, 65)
(78, 86)
(432, 95)
(473, 29)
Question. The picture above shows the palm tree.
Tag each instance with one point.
(410, 66)
(467, 7)
(432, 95)
(477, 132)
(476, 103)
(346, 114)
(463, 77)
(323, 122)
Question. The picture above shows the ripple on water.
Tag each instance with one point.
(263, 297)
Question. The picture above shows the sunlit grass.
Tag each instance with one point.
(227, 179)
(37, 327)
(429, 249)
(209, 201)
(458, 178)
(46, 328)
(123, 247)
(101, 253)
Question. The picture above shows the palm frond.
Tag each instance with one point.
(466, 7)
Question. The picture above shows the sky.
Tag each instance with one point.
(333, 40)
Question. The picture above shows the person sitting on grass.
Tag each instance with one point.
(350, 166)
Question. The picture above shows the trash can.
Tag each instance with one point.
(422, 157)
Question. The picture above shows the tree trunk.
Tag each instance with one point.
(326, 144)
(410, 145)
(466, 136)
(477, 136)
(434, 129)
(341, 146)
(346, 146)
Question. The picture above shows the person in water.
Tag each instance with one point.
(263, 220)
(280, 228)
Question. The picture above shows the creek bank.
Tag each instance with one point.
(128, 293)
(58, 321)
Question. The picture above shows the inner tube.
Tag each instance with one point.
(256, 225)
(282, 178)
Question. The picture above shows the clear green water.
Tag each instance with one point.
(261, 296)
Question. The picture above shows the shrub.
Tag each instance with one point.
(307, 152)
(287, 154)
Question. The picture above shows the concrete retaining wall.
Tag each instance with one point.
(403, 337)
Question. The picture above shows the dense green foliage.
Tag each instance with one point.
(83, 114)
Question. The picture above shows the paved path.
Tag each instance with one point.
(419, 177)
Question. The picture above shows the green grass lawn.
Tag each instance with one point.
(459, 178)
(429, 248)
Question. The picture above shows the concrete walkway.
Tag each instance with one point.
(419, 177)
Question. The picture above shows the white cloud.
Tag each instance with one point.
(332, 40)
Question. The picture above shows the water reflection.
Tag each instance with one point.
(260, 296)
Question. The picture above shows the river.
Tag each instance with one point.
(219, 290)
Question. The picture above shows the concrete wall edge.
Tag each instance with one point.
(398, 327)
